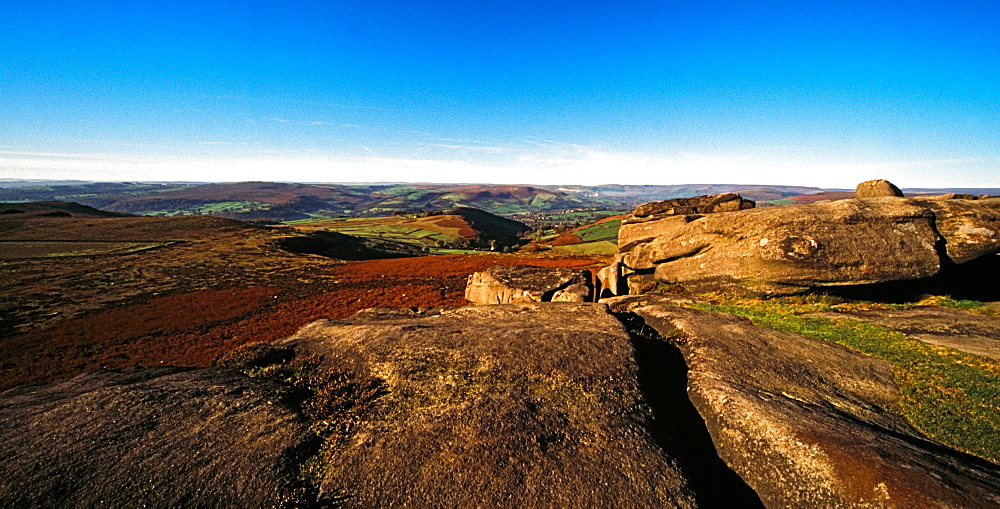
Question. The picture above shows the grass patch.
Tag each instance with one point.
(950, 396)
(608, 230)
(602, 247)
(983, 308)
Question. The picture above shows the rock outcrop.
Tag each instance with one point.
(153, 437)
(512, 405)
(523, 283)
(809, 423)
(876, 189)
(707, 204)
(970, 229)
(644, 222)
(781, 250)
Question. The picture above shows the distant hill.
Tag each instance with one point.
(599, 237)
(284, 202)
(55, 209)
(435, 232)
(629, 196)
(275, 201)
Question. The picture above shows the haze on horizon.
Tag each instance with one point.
(776, 92)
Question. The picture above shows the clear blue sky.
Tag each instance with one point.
(780, 92)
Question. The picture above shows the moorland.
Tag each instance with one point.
(341, 312)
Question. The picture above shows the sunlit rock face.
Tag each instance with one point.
(876, 189)
(789, 249)
(522, 283)
(523, 405)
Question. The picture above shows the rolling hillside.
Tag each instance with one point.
(275, 201)
(440, 232)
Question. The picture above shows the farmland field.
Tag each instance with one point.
(422, 230)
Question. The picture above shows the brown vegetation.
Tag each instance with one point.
(222, 285)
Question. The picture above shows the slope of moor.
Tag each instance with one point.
(198, 287)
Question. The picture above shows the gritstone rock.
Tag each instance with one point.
(706, 204)
(780, 250)
(644, 222)
(808, 423)
(522, 283)
(531, 405)
(151, 437)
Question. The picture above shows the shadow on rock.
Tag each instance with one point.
(978, 279)
(677, 426)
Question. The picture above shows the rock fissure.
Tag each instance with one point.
(677, 426)
(806, 422)
(690, 254)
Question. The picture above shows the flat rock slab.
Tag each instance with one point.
(953, 328)
(534, 405)
(809, 423)
(152, 437)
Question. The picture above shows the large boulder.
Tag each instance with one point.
(876, 189)
(808, 423)
(780, 250)
(152, 437)
(522, 283)
(528, 405)
(645, 221)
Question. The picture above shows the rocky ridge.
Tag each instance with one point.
(790, 249)
(523, 405)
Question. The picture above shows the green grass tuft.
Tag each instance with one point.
(951, 396)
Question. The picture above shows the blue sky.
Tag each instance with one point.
(773, 92)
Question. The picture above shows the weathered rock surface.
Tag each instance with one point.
(707, 204)
(812, 424)
(522, 284)
(969, 228)
(954, 328)
(644, 224)
(876, 189)
(153, 437)
(610, 281)
(534, 405)
(787, 249)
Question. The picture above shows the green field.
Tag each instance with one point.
(432, 232)
(209, 209)
(601, 247)
(606, 230)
